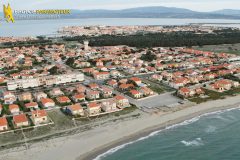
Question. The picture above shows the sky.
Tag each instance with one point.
(197, 5)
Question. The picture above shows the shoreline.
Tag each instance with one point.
(99, 153)
(96, 141)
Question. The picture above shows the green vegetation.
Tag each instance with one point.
(149, 56)
(212, 95)
(53, 70)
(173, 39)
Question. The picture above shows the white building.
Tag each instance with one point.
(44, 80)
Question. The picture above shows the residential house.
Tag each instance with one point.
(93, 108)
(31, 105)
(106, 92)
(122, 101)
(157, 77)
(91, 94)
(39, 117)
(56, 92)
(81, 89)
(63, 100)
(224, 85)
(125, 86)
(39, 95)
(136, 80)
(26, 96)
(14, 109)
(101, 75)
(20, 120)
(47, 102)
(75, 109)
(79, 97)
(186, 92)
(146, 91)
(93, 86)
(112, 83)
(136, 94)
(109, 105)
(9, 97)
(3, 124)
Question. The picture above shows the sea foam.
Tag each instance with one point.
(195, 142)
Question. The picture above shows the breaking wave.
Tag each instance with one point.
(195, 142)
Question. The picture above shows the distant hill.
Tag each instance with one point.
(150, 12)
(153, 12)
(228, 12)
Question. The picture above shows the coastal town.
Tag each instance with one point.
(50, 86)
(132, 30)
(88, 81)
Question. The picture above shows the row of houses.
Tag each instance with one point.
(36, 117)
(95, 108)
(132, 86)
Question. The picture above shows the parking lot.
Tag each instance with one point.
(158, 101)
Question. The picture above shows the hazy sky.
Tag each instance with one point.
(197, 5)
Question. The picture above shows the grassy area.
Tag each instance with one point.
(212, 95)
(157, 86)
(226, 48)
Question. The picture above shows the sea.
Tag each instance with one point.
(213, 136)
(21, 28)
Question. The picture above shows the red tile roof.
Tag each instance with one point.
(75, 107)
(3, 121)
(39, 113)
(63, 99)
(13, 106)
(31, 104)
(46, 100)
(20, 118)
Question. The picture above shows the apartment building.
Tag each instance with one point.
(44, 81)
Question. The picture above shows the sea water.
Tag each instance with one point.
(213, 136)
(50, 27)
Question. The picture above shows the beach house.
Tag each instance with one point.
(20, 120)
(75, 109)
(93, 108)
(3, 124)
(14, 109)
(109, 105)
(39, 117)
(47, 102)
(122, 101)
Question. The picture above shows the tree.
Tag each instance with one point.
(70, 61)
(53, 70)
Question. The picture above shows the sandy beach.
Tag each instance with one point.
(89, 144)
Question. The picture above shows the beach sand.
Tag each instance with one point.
(87, 145)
